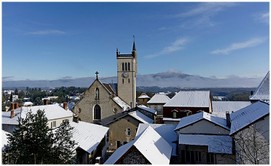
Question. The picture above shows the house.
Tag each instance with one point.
(157, 101)
(204, 139)
(99, 101)
(167, 131)
(143, 99)
(147, 148)
(123, 126)
(55, 114)
(250, 130)
(92, 142)
(262, 91)
(221, 107)
(91, 139)
(185, 103)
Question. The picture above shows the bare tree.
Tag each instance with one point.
(252, 145)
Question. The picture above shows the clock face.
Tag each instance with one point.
(125, 74)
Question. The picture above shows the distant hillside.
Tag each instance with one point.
(165, 79)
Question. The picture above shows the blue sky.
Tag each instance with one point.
(68, 40)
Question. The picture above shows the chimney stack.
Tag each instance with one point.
(228, 119)
(16, 105)
(12, 111)
(65, 105)
(45, 102)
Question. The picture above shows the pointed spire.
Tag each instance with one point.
(134, 47)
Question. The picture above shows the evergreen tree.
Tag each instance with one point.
(33, 142)
(63, 144)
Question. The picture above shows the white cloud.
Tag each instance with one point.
(173, 47)
(47, 32)
(206, 9)
(202, 14)
(241, 45)
(262, 17)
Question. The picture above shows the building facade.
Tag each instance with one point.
(99, 101)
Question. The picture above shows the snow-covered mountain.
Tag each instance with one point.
(165, 79)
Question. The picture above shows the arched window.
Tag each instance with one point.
(128, 132)
(122, 66)
(97, 94)
(97, 112)
(128, 66)
(125, 66)
(174, 113)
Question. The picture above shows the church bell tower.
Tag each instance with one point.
(126, 72)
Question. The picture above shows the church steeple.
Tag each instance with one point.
(134, 47)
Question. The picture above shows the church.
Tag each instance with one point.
(100, 100)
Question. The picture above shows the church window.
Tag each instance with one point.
(128, 66)
(128, 131)
(128, 80)
(97, 94)
(97, 112)
(125, 66)
(122, 66)
(122, 81)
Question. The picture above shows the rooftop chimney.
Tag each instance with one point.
(65, 105)
(12, 111)
(45, 102)
(228, 119)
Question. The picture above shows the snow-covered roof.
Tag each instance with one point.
(88, 135)
(221, 107)
(121, 103)
(11, 121)
(4, 138)
(262, 91)
(216, 143)
(165, 130)
(190, 99)
(248, 115)
(143, 96)
(150, 144)
(28, 103)
(185, 121)
(153, 111)
(118, 153)
(171, 119)
(159, 98)
(53, 111)
(141, 117)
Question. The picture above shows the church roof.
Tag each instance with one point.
(262, 92)
(109, 88)
(121, 103)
